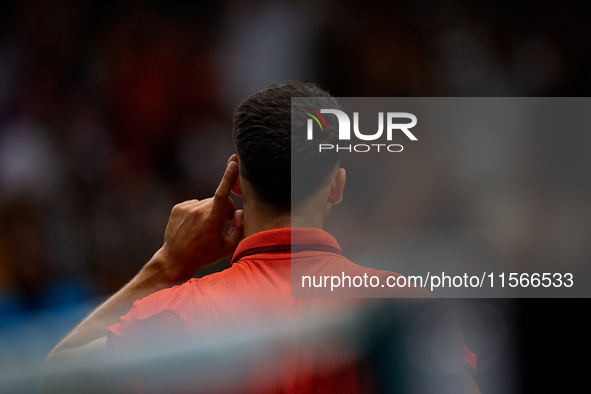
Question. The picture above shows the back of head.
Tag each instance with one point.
(283, 166)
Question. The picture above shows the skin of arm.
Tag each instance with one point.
(194, 238)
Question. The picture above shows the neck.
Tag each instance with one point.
(261, 217)
(254, 223)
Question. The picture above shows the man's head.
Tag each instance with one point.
(281, 165)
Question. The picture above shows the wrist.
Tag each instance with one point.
(163, 271)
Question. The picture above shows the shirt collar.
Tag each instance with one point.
(289, 239)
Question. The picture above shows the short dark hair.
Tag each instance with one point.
(271, 155)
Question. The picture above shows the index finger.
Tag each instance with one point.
(222, 193)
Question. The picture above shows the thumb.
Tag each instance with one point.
(236, 232)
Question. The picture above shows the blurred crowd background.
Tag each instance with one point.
(113, 111)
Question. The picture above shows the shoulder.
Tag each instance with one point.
(158, 312)
(164, 300)
(172, 306)
(180, 297)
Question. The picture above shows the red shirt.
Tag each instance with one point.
(252, 296)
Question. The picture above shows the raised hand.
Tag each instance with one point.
(195, 237)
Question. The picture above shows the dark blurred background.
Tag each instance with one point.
(113, 111)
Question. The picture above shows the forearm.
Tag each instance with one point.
(150, 279)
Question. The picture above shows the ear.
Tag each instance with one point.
(337, 186)
(236, 189)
